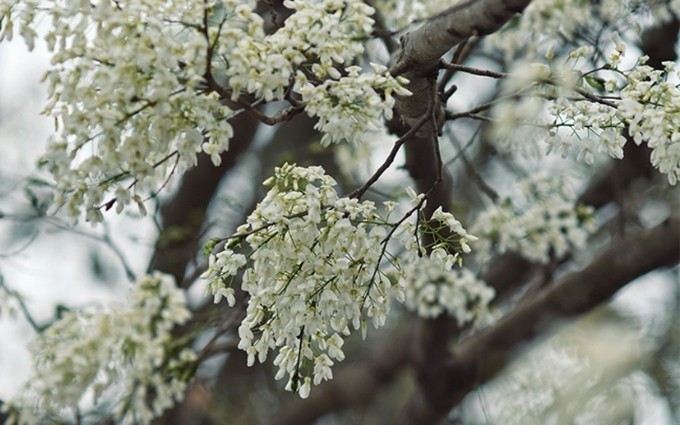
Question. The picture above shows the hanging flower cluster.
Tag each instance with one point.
(351, 107)
(124, 354)
(548, 23)
(647, 105)
(264, 65)
(316, 266)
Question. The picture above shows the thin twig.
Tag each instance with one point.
(435, 132)
(22, 247)
(285, 114)
(472, 70)
(461, 53)
(470, 169)
(390, 158)
(466, 147)
(212, 347)
(22, 306)
(472, 112)
(106, 238)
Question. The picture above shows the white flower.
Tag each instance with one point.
(351, 107)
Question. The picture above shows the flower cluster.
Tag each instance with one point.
(432, 290)
(124, 353)
(648, 107)
(540, 222)
(317, 268)
(352, 106)
(609, 100)
(264, 65)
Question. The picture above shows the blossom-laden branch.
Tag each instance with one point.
(151, 79)
(318, 266)
(610, 101)
(645, 103)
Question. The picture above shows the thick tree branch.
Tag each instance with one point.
(422, 49)
(419, 63)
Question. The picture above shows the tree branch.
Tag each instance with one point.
(419, 63)
(422, 49)
(629, 258)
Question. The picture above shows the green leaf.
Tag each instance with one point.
(595, 82)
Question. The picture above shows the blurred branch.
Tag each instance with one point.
(625, 260)
(22, 306)
(381, 29)
(471, 70)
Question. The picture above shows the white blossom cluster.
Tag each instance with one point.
(650, 106)
(124, 92)
(432, 290)
(319, 34)
(125, 354)
(348, 105)
(541, 222)
(318, 267)
(137, 87)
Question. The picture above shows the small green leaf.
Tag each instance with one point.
(595, 82)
